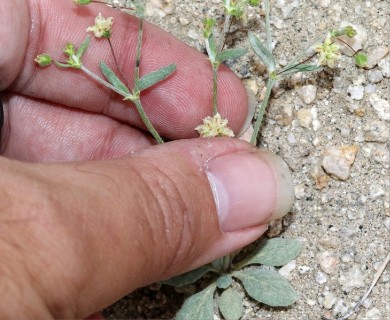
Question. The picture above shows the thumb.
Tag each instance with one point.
(160, 212)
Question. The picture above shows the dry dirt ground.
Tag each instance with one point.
(335, 119)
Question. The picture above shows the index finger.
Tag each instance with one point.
(175, 106)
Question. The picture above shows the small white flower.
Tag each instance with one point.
(214, 127)
(102, 27)
(328, 51)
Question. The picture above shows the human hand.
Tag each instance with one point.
(78, 234)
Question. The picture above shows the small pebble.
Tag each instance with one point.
(328, 263)
(307, 93)
(311, 302)
(305, 269)
(329, 300)
(384, 67)
(375, 76)
(340, 307)
(376, 191)
(381, 106)
(356, 92)
(387, 223)
(183, 21)
(369, 88)
(337, 161)
(285, 271)
(377, 131)
(367, 303)
(352, 279)
(373, 313)
(321, 277)
(193, 34)
(159, 8)
(329, 241)
(377, 54)
(305, 118)
(300, 191)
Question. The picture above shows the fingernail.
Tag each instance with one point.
(251, 112)
(250, 188)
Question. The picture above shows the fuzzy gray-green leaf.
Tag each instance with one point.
(231, 54)
(188, 277)
(262, 52)
(155, 77)
(275, 252)
(84, 46)
(198, 306)
(267, 286)
(230, 304)
(113, 79)
(211, 48)
(224, 281)
(299, 68)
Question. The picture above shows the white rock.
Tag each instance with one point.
(337, 161)
(193, 34)
(356, 42)
(381, 106)
(159, 8)
(384, 67)
(352, 279)
(285, 271)
(370, 88)
(356, 92)
(375, 76)
(376, 191)
(305, 118)
(328, 263)
(377, 131)
(307, 93)
(300, 191)
(387, 223)
(377, 54)
(183, 21)
(373, 313)
(329, 300)
(321, 277)
(305, 269)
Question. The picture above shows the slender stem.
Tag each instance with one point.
(353, 50)
(261, 110)
(138, 53)
(226, 263)
(268, 25)
(215, 89)
(116, 60)
(147, 122)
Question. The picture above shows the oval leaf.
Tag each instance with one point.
(198, 306)
(230, 304)
(267, 286)
(231, 54)
(113, 79)
(275, 252)
(262, 52)
(224, 281)
(299, 68)
(188, 277)
(84, 46)
(155, 77)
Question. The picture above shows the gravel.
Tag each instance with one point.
(342, 206)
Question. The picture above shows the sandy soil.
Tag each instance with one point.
(344, 224)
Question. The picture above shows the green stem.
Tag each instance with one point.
(226, 264)
(215, 89)
(268, 25)
(147, 122)
(261, 110)
(138, 54)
